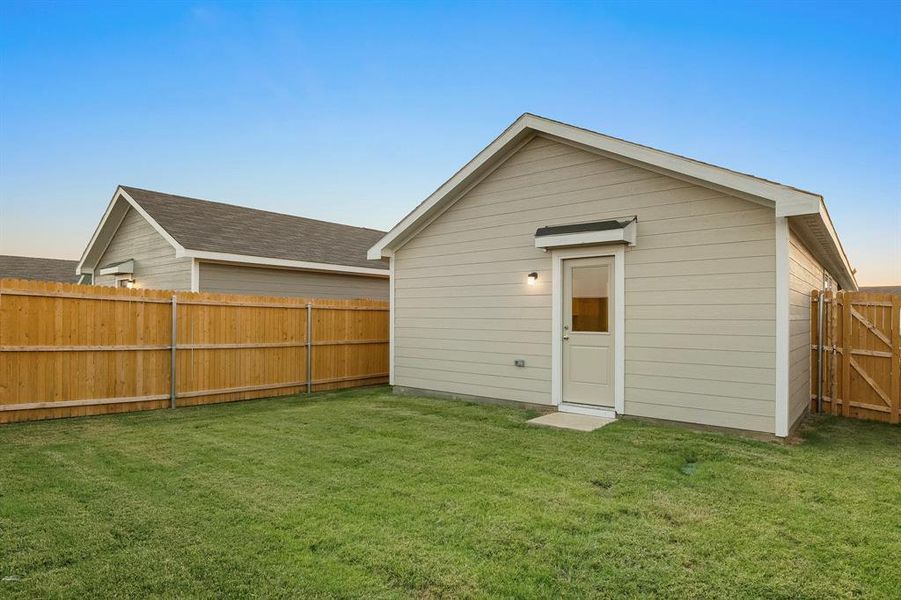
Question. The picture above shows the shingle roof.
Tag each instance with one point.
(42, 269)
(882, 289)
(607, 225)
(216, 227)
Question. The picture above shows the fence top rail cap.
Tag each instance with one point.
(26, 287)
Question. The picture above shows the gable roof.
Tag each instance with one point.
(787, 201)
(217, 231)
(41, 269)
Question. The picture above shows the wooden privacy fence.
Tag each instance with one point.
(73, 350)
(860, 372)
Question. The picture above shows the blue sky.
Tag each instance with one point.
(354, 112)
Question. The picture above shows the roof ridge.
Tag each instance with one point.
(241, 206)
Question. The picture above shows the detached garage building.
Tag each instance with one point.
(565, 268)
(156, 240)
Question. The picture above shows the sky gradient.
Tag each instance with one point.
(356, 112)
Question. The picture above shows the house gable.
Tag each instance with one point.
(155, 262)
(120, 205)
(787, 201)
(214, 231)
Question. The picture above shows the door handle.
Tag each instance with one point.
(565, 332)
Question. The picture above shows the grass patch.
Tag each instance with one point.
(361, 493)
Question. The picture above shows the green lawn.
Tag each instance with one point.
(363, 493)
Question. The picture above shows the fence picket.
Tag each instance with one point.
(895, 320)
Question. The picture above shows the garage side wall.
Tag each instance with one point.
(700, 289)
(155, 263)
(805, 275)
(236, 279)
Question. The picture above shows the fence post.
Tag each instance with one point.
(821, 310)
(309, 348)
(896, 360)
(172, 365)
(846, 354)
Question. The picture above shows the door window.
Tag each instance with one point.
(590, 306)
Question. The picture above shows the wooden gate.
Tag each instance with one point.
(861, 355)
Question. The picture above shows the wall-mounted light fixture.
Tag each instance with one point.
(532, 278)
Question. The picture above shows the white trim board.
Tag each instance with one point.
(195, 275)
(262, 261)
(591, 411)
(619, 320)
(391, 348)
(782, 327)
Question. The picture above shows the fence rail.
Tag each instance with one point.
(856, 372)
(71, 350)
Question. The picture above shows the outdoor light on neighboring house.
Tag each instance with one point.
(532, 278)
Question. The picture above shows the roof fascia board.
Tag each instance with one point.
(846, 264)
(801, 206)
(758, 188)
(97, 230)
(111, 236)
(662, 171)
(413, 223)
(445, 206)
(262, 261)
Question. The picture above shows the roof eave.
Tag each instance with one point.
(244, 259)
(848, 273)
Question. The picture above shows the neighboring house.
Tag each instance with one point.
(155, 240)
(562, 267)
(882, 289)
(42, 269)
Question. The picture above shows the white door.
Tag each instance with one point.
(588, 331)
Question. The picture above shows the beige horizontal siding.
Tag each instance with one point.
(713, 213)
(238, 279)
(657, 406)
(155, 263)
(433, 382)
(474, 323)
(700, 289)
(690, 314)
(805, 275)
(666, 358)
